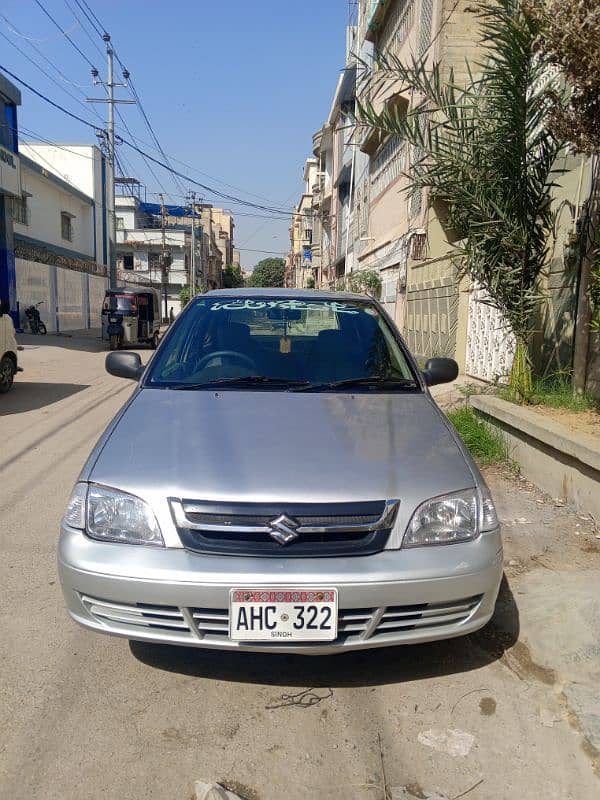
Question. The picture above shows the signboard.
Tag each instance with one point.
(10, 172)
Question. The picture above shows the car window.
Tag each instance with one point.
(316, 342)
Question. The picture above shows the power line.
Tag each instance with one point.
(48, 100)
(268, 252)
(65, 34)
(100, 29)
(207, 188)
(87, 13)
(30, 42)
(82, 26)
(50, 78)
(41, 138)
(149, 126)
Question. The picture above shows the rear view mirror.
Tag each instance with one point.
(440, 370)
(125, 365)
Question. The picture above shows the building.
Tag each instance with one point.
(10, 189)
(223, 225)
(303, 260)
(367, 218)
(218, 243)
(59, 261)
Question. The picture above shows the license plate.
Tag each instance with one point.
(283, 615)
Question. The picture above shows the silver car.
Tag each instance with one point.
(307, 495)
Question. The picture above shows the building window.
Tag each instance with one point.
(66, 226)
(120, 223)
(8, 125)
(396, 27)
(425, 27)
(20, 212)
(386, 166)
(418, 246)
(127, 260)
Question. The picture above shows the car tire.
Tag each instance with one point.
(7, 374)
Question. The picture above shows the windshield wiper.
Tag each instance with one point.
(243, 380)
(377, 381)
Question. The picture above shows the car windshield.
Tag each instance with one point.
(123, 303)
(281, 344)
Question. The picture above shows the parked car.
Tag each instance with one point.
(281, 480)
(9, 364)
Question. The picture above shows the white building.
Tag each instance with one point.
(140, 247)
(84, 167)
(60, 239)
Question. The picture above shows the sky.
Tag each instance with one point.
(234, 89)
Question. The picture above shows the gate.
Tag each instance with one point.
(490, 345)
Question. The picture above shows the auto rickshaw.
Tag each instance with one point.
(131, 317)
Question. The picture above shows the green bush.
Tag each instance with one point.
(556, 392)
(485, 443)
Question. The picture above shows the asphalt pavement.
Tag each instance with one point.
(486, 717)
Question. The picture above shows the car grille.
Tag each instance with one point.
(313, 530)
(169, 619)
(211, 625)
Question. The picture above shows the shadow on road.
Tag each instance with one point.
(30, 395)
(361, 668)
(91, 343)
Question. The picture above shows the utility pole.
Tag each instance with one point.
(110, 173)
(193, 253)
(165, 261)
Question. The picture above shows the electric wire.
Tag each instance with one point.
(65, 34)
(100, 29)
(83, 28)
(207, 188)
(49, 77)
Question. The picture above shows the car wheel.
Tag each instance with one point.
(7, 374)
(42, 328)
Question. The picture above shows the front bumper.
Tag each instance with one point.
(173, 596)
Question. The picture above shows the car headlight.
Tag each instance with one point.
(457, 517)
(112, 516)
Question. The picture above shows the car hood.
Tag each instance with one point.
(263, 446)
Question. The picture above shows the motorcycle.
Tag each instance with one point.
(34, 319)
(115, 330)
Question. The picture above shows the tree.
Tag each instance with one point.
(184, 295)
(268, 272)
(232, 276)
(569, 36)
(486, 156)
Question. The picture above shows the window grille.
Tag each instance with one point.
(386, 166)
(396, 28)
(425, 26)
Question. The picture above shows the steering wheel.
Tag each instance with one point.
(228, 354)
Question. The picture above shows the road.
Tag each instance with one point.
(86, 716)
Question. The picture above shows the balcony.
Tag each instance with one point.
(374, 16)
(317, 140)
(318, 186)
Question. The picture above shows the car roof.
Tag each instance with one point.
(300, 294)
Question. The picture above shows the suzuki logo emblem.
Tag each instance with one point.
(283, 529)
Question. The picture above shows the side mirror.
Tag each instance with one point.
(440, 370)
(125, 365)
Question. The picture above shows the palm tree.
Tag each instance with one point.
(486, 154)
